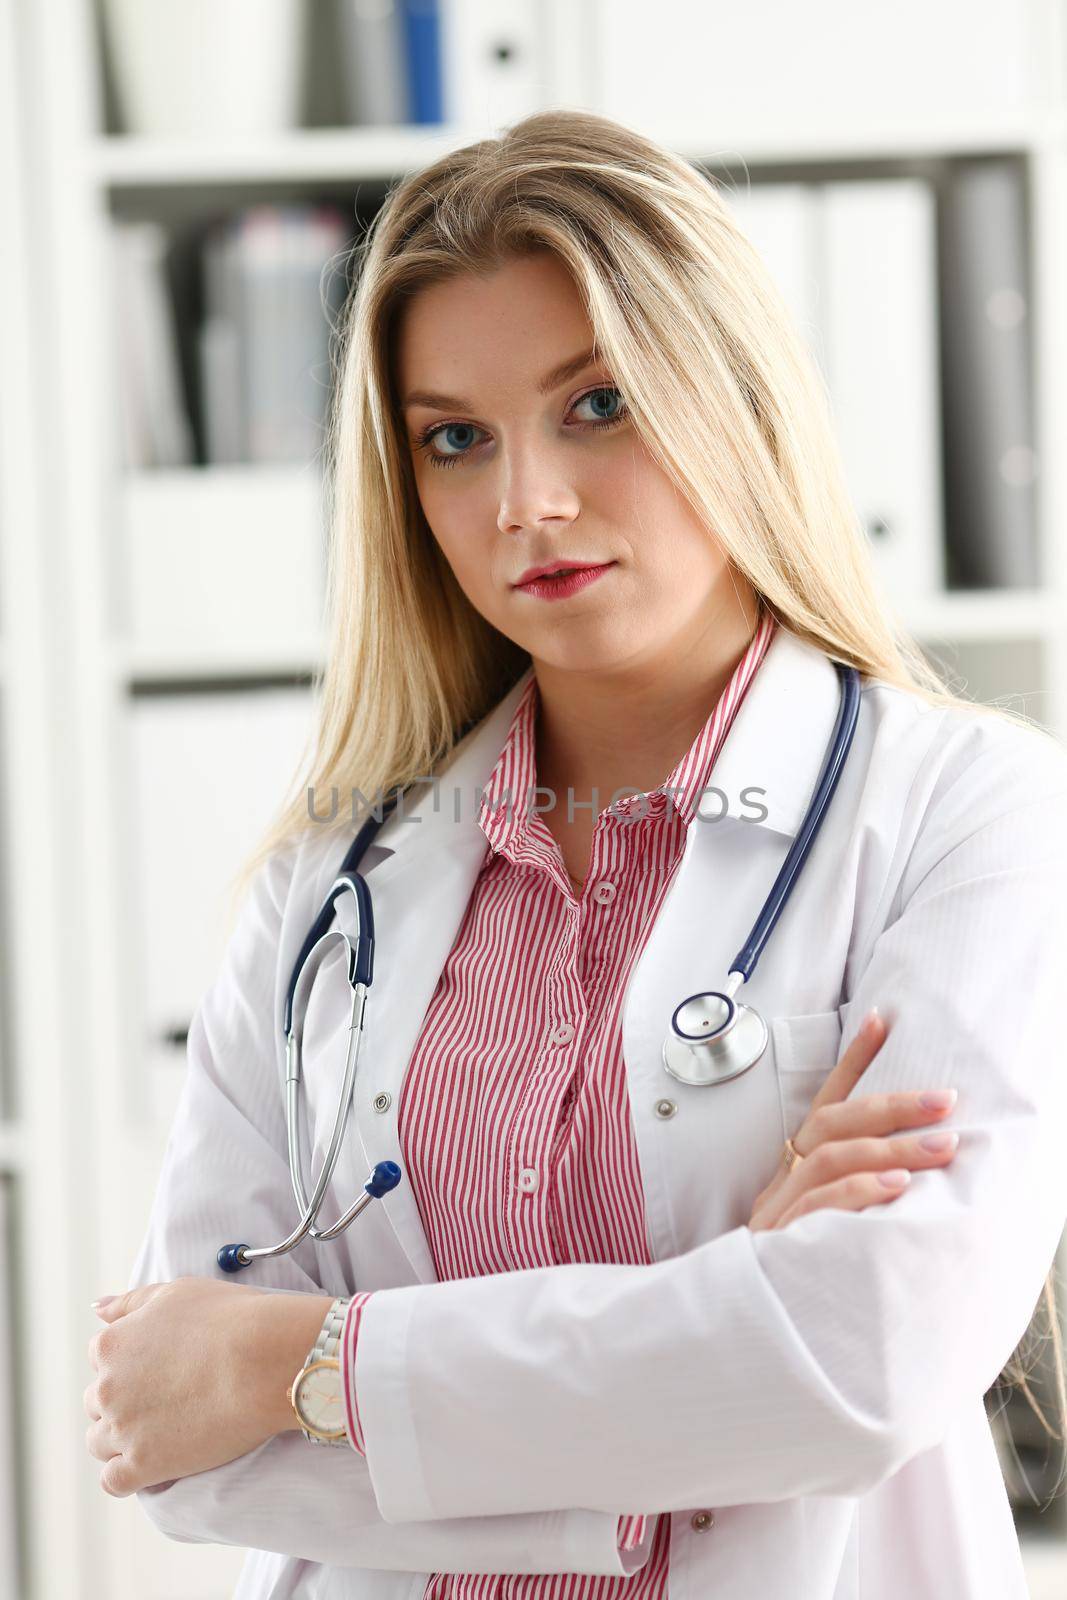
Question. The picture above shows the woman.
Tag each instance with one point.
(609, 1327)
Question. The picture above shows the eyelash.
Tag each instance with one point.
(425, 438)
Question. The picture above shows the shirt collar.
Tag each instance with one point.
(505, 813)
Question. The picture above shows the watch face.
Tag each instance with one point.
(318, 1399)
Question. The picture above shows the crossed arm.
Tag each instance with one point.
(849, 1339)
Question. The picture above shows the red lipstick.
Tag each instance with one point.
(559, 579)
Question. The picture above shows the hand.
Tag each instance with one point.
(849, 1145)
(190, 1375)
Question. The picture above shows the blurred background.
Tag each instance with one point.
(179, 183)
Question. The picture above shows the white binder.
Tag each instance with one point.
(494, 65)
(856, 261)
(880, 336)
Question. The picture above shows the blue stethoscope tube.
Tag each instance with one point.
(711, 1038)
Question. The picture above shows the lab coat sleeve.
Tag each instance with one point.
(817, 1358)
(225, 1176)
(631, 1532)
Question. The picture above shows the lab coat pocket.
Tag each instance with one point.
(806, 1050)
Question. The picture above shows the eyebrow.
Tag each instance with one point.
(551, 380)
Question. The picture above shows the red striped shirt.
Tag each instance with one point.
(514, 1119)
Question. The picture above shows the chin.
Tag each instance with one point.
(582, 652)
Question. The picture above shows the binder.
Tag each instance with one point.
(272, 290)
(373, 59)
(154, 419)
(493, 63)
(422, 38)
(880, 336)
(857, 263)
(782, 221)
(992, 467)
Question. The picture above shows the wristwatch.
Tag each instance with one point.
(316, 1394)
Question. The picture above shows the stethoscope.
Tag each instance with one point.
(711, 1037)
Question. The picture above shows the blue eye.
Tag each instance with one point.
(446, 428)
(597, 395)
(425, 439)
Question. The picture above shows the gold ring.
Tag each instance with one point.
(791, 1156)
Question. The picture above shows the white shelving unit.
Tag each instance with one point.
(42, 1040)
(87, 1143)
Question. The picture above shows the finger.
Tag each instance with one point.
(113, 1306)
(855, 1192)
(855, 1060)
(119, 1479)
(838, 1158)
(91, 1403)
(99, 1440)
(868, 1115)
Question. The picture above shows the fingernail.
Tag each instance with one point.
(938, 1099)
(871, 1020)
(105, 1301)
(940, 1141)
(895, 1178)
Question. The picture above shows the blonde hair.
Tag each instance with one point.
(719, 383)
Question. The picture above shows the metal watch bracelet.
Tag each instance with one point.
(325, 1348)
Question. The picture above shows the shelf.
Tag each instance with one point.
(304, 155)
(134, 665)
(792, 145)
(950, 618)
(315, 154)
(985, 614)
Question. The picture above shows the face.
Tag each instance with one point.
(524, 454)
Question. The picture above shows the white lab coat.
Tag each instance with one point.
(818, 1387)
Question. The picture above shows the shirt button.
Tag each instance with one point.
(528, 1179)
(563, 1034)
(604, 893)
(383, 1101)
(665, 1108)
(702, 1520)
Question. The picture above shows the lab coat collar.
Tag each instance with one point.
(776, 747)
(423, 867)
(764, 773)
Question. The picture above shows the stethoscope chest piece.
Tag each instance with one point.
(713, 1038)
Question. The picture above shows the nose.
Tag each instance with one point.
(536, 488)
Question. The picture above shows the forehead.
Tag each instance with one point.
(510, 323)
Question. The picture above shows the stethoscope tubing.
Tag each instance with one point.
(231, 1258)
(746, 958)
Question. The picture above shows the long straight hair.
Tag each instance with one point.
(719, 383)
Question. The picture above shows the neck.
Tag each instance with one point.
(628, 728)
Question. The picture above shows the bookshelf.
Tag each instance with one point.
(75, 672)
(40, 1106)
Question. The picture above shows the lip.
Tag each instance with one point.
(561, 565)
(551, 586)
